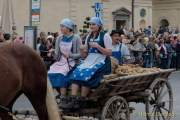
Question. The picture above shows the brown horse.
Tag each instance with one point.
(23, 71)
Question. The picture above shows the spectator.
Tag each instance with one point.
(169, 48)
(173, 40)
(138, 49)
(7, 36)
(45, 52)
(178, 53)
(19, 40)
(148, 55)
(163, 54)
(119, 49)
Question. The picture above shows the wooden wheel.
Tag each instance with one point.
(116, 108)
(159, 104)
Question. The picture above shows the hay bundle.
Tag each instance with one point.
(114, 64)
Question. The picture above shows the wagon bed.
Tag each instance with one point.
(131, 84)
(113, 96)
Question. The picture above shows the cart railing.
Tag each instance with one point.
(129, 84)
(139, 75)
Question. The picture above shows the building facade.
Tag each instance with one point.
(116, 13)
(166, 13)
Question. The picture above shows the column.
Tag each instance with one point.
(7, 18)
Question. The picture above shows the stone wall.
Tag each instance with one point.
(138, 14)
(166, 9)
(52, 11)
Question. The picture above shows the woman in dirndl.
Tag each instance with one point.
(67, 51)
(90, 72)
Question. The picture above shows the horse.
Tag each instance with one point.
(22, 71)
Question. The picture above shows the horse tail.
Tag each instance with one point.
(51, 104)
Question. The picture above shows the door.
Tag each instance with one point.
(120, 24)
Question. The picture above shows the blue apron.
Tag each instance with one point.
(117, 54)
(94, 67)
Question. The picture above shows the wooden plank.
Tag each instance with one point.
(138, 75)
(124, 92)
(130, 84)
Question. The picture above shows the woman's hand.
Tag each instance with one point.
(51, 50)
(104, 51)
(49, 55)
(94, 45)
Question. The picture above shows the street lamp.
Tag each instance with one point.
(132, 13)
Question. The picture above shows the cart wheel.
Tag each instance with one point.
(116, 108)
(159, 103)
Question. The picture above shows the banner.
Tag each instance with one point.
(98, 7)
(30, 34)
(35, 12)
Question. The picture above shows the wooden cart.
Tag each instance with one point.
(110, 101)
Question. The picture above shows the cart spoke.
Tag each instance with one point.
(165, 109)
(116, 108)
(152, 100)
(155, 94)
(117, 116)
(162, 88)
(122, 110)
(113, 107)
(162, 114)
(154, 108)
(119, 105)
(111, 115)
(158, 89)
(155, 114)
(158, 116)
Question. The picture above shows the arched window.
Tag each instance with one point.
(121, 18)
(164, 23)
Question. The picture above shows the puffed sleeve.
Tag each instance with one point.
(77, 42)
(107, 41)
